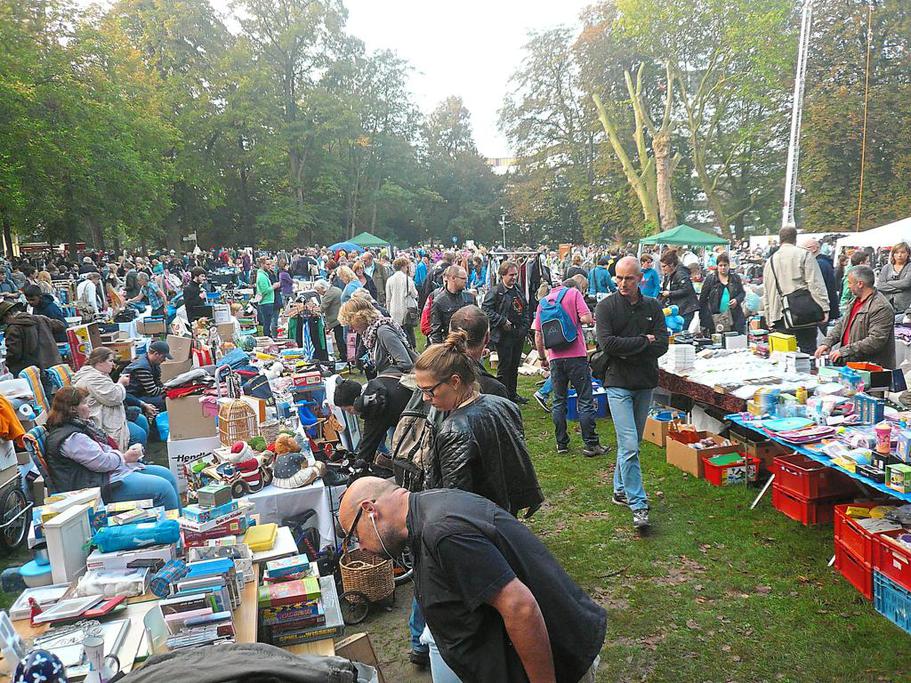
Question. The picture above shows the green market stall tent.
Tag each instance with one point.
(683, 234)
(369, 241)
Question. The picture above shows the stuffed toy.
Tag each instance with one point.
(673, 319)
(286, 443)
(239, 452)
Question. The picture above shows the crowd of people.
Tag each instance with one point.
(469, 306)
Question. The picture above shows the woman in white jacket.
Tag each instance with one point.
(106, 400)
(402, 296)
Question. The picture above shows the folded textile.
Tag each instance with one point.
(188, 390)
(196, 375)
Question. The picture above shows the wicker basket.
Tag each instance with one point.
(368, 574)
(236, 422)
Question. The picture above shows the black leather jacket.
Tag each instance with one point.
(504, 304)
(680, 291)
(481, 448)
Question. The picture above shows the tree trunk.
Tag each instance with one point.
(661, 146)
(7, 234)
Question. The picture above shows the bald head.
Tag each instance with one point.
(381, 527)
(629, 275)
(812, 245)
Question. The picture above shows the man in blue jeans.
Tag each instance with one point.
(631, 331)
(569, 365)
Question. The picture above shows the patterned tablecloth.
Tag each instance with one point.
(700, 392)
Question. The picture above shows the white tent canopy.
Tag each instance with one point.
(883, 236)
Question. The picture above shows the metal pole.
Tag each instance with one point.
(503, 225)
(790, 183)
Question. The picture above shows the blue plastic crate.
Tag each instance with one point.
(600, 397)
(892, 601)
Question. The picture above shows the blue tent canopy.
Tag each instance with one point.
(346, 246)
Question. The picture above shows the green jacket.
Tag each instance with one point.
(847, 298)
(264, 287)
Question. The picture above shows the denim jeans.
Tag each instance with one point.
(629, 410)
(439, 669)
(154, 481)
(575, 371)
(137, 434)
(416, 626)
(265, 313)
(547, 387)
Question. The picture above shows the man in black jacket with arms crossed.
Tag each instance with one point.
(632, 332)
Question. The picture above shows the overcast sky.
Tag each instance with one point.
(467, 48)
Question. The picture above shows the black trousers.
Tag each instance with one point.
(341, 345)
(509, 352)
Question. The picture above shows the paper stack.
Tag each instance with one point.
(796, 363)
(680, 358)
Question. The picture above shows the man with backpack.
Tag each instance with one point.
(561, 345)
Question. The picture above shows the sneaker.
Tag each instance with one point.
(592, 451)
(619, 498)
(521, 400)
(541, 401)
(640, 518)
(562, 449)
(420, 658)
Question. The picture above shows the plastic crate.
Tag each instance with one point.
(807, 512)
(743, 472)
(893, 559)
(892, 601)
(853, 537)
(599, 396)
(804, 477)
(857, 573)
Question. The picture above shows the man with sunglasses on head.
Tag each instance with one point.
(499, 605)
(632, 333)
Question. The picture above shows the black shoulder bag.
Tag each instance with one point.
(798, 309)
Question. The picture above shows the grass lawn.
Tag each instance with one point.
(715, 591)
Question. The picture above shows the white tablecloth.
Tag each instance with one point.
(275, 504)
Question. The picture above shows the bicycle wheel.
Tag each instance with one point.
(403, 567)
(355, 607)
(13, 503)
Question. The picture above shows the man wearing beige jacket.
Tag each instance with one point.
(794, 268)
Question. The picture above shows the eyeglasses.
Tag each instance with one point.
(430, 392)
(351, 534)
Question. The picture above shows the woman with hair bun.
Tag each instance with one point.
(480, 444)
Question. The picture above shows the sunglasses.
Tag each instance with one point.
(431, 391)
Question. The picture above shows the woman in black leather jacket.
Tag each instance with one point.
(480, 445)
(677, 288)
(714, 300)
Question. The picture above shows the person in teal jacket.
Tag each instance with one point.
(599, 279)
(651, 280)
(265, 290)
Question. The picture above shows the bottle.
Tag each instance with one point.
(801, 396)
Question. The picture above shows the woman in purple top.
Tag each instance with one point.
(79, 455)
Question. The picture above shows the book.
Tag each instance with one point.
(298, 625)
(272, 616)
(287, 566)
(288, 592)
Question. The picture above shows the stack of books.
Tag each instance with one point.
(680, 358)
(296, 605)
(198, 618)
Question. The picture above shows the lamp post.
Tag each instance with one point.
(503, 224)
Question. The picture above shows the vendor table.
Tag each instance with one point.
(275, 504)
(700, 392)
(738, 420)
(135, 644)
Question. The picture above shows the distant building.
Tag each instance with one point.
(502, 165)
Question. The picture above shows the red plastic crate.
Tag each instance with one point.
(853, 537)
(718, 475)
(893, 559)
(857, 573)
(806, 478)
(807, 512)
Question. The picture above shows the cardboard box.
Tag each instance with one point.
(358, 648)
(186, 419)
(83, 339)
(180, 350)
(225, 331)
(124, 349)
(686, 457)
(187, 451)
(221, 314)
(656, 430)
(765, 450)
(151, 326)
